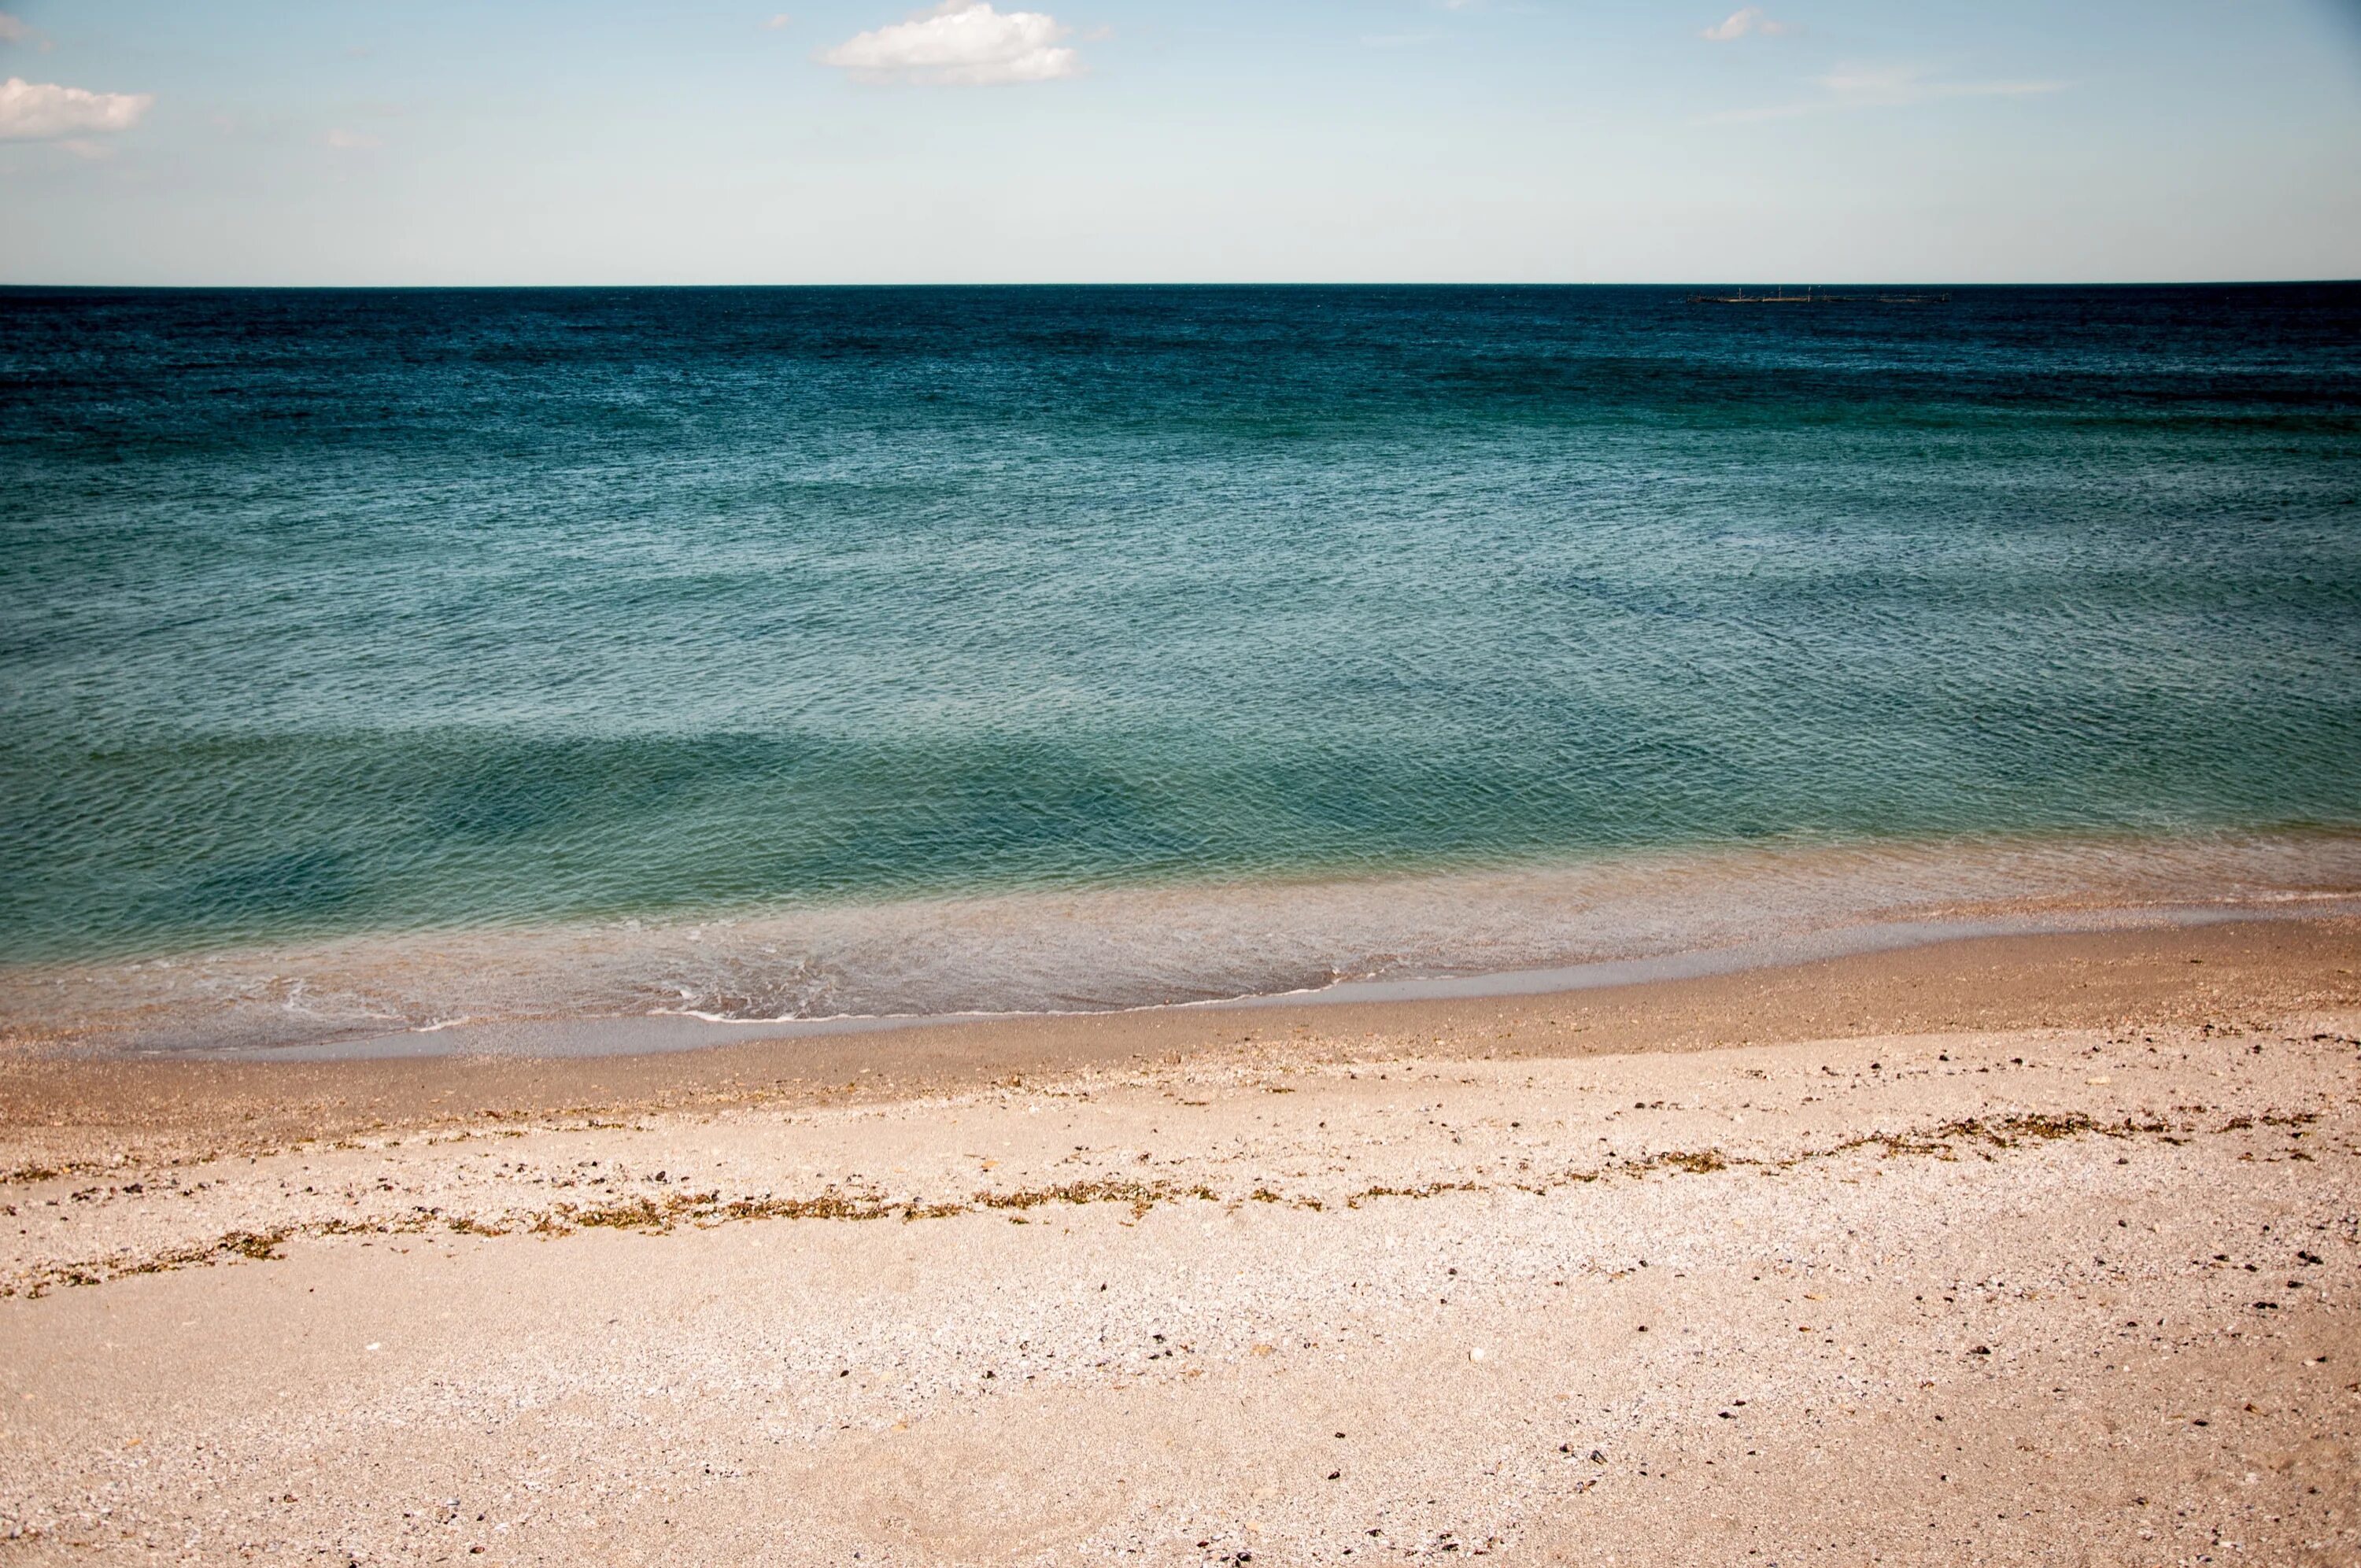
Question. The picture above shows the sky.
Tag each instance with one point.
(860, 141)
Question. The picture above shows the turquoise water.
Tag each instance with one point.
(335, 614)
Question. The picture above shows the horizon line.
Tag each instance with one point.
(1187, 283)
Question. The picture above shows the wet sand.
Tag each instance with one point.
(68, 1110)
(2036, 1249)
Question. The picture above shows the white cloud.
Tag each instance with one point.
(1741, 23)
(352, 141)
(38, 111)
(778, 21)
(1887, 87)
(13, 29)
(963, 42)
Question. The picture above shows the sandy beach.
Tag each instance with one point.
(2027, 1250)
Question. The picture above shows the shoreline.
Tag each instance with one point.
(663, 1032)
(73, 1105)
(634, 986)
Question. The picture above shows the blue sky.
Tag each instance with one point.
(430, 141)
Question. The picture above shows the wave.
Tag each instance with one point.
(1113, 948)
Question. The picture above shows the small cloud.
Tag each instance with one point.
(960, 42)
(42, 111)
(1739, 24)
(782, 20)
(14, 30)
(1887, 87)
(351, 141)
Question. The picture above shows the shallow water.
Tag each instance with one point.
(874, 618)
(1603, 920)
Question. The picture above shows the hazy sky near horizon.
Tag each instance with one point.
(626, 141)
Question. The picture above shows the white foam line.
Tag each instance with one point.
(550, 1035)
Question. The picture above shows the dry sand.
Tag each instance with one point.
(2036, 1250)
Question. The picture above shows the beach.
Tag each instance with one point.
(997, 787)
(2024, 1249)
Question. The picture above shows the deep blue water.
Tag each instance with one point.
(330, 612)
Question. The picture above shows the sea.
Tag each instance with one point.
(373, 663)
